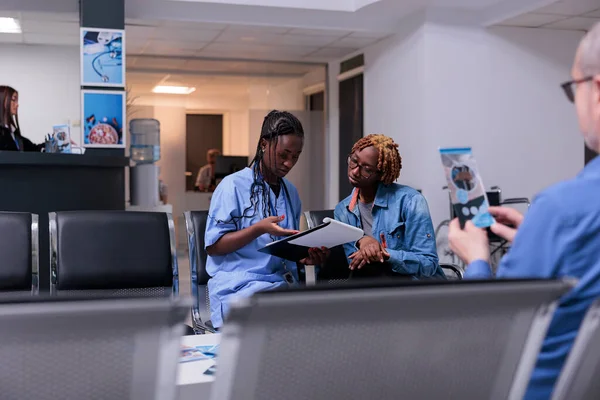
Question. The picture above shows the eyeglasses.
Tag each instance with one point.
(365, 170)
(569, 87)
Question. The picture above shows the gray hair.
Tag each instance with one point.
(589, 52)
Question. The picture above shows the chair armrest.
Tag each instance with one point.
(454, 268)
(516, 200)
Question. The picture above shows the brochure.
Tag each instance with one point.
(467, 193)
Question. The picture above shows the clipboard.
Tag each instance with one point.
(329, 234)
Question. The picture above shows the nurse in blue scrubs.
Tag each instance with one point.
(250, 209)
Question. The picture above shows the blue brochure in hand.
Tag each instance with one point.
(467, 193)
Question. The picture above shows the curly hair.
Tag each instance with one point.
(389, 162)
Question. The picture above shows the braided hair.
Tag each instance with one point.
(389, 162)
(276, 124)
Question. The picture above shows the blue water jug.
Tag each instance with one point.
(145, 140)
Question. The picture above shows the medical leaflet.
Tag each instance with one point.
(467, 193)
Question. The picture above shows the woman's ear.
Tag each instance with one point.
(263, 144)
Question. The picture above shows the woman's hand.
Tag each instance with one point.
(271, 226)
(370, 251)
(316, 256)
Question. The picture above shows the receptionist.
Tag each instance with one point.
(10, 134)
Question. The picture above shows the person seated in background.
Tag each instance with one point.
(163, 191)
(399, 238)
(560, 235)
(205, 181)
(250, 209)
(10, 133)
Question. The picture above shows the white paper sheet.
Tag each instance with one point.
(332, 235)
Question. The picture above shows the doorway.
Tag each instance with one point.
(202, 133)
(351, 126)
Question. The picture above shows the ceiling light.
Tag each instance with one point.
(9, 25)
(173, 89)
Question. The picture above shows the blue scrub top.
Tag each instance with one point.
(246, 271)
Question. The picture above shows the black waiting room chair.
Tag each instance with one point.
(113, 253)
(19, 252)
(195, 223)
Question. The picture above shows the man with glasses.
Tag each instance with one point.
(560, 236)
(399, 239)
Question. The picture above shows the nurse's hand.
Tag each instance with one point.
(316, 256)
(271, 226)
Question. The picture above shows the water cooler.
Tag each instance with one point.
(144, 153)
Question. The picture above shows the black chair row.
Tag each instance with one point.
(92, 252)
(119, 252)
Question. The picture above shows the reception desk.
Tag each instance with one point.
(40, 183)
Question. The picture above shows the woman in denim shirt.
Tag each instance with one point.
(399, 238)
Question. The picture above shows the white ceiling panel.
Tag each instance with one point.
(10, 14)
(194, 25)
(184, 35)
(253, 55)
(369, 35)
(11, 38)
(169, 51)
(533, 20)
(131, 60)
(208, 65)
(595, 14)
(135, 32)
(50, 27)
(331, 52)
(196, 45)
(570, 7)
(144, 78)
(231, 49)
(142, 22)
(250, 29)
(353, 42)
(319, 32)
(321, 5)
(159, 63)
(229, 36)
(58, 17)
(307, 40)
(57, 40)
(135, 48)
(579, 23)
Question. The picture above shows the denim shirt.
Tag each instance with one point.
(402, 214)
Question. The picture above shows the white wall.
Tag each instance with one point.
(496, 90)
(394, 96)
(240, 134)
(47, 79)
(234, 110)
(332, 144)
(286, 96)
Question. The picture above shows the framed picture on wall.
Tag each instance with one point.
(103, 119)
(102, 57)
